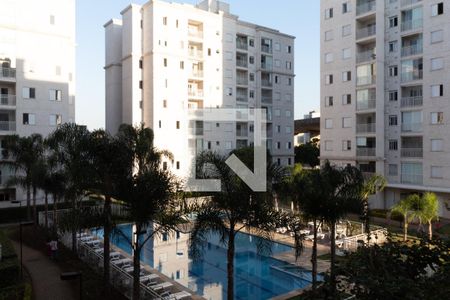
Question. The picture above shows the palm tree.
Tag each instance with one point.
(428, 211)
(406, 208)
(232, 209)
(372, 186)
(147, 191)
(24, 153)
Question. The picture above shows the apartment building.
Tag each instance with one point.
(385, 93)
(37, 72)
(164, 59)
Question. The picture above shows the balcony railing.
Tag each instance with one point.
(367, 104)
(266, 82)
(412, 152)
(412, 101)
(365, 151)
(195, 93)
(366, 128)
(195, 53)
(195, 33)
(266, 49)
(411, 127)
(7, 126)
(365, 56)
(412, 50)
(241, 44)
(242, 63)
(409, 2)
(366, 32)
(7, 73)
(242, 132)
(242, 80)
(196, 74)
(266, 66)
(366, 80)
(9, 100)
(266, 99)
(412, 178)
(242, 98)
(412, 24)
(366, 7)
(411, 76)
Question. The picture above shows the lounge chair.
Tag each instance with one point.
(148, 277)
(177, 296)
(320, 236)
(160, 286)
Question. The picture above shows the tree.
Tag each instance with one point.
(232, 209)
(308, 154)
(147, 191)
(373, 185)
(428, 211)
(405, 207)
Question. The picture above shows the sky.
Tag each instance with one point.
(299, 18)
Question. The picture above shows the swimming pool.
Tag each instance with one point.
(257, 275)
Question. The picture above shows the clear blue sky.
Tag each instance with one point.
(298, 18)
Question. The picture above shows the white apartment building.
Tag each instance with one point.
(37, 72)
(385, 93)
(164, 59)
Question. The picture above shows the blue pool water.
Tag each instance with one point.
(257, 275)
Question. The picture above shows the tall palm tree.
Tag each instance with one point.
(232, 209)
(428, 211)
(147, 191)
(406, 207)
(24, 153)
(373, 185)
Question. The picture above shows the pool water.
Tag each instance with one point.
(256, 275)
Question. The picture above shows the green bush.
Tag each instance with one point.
(384, 214)
(9, 266)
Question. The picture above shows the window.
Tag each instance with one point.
(328, 145)
(251, 94)
(288, 114)
(289, 81)
(278, 145)
(437, 36)
(328, 123)
(346, 122)
(393, 120)
(393, 71)
(165, 103)
(58, 70)
(288, 145)
(251, 76)
(141, 64)
(159, 124)
(437, 171)
(165, 62)
(209, 51)
(251, 42)
(329, 79)
(178, 124)
(251, 60)
(346, 145)
(437, 145)
(346, 7)
(277, 112)
(278, 129)
(328, 13)
(437, 90)
(437, 9)
(346, 99)
(55, 95)
(289, 65)
(393, 95)
(393, 145)
(55, 120)
(181, 65)
(52, 20)
(164, 20)
(346, 53)
(289, 161)
(393, 46)
(178, 165)
(346, 76)
(329, 101)
(276, 78)
(346, 30)
(437, 63)
(328, 35)
(29, 119)
(393, 21)
(29, 93)
(329, 57)
(393, 169)
(277, 63)
(229, 91)
(228, 145)
(437, 118)
(277, 47)
(141, 84)
(289, 49)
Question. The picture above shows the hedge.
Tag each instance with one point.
(9, 265)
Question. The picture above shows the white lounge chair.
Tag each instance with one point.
(161, 286)
(320, 236)
(149, 277)
(177, 296)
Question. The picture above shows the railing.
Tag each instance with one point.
(242, 63)
(195, 93)
(198, 73)
(409, 2)
(412, 152)
(412, 178)
(412, 101)
(240, 44)
(366, 128)
(412, 24)
(8, 100)
(195, 33)
(196, 131)
(411, 127)
(411, 76)
(9, 73)
(265, 82)
(266, 66)
(412, 50)
(366, 32)
(242, 132)
(266, 49)
(367, 104)
(266, 99)
(351, 243)
(366, 7)
(366, 80)
(242, 98)
(365, 56)
(242, 80)
(7, 126)
(195, 53)
(365, 151)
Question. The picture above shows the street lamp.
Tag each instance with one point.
(73, 276)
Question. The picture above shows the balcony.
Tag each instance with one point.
(196, 53)
(365, 151)
(196, 74)
(365, 56)
(366, 32)
(411, 127)
(241, 62)
(8, 100)
(412, 179)
(366, 128)
(241, 42)
(412, 50)
(411, 101)
(7, 126)
(412, 152)
(412, 24)
(412, 76)
(366, 80)
(195, 93)
(266, 80)
(241, 131)
(195, 29)
(241, 79)
(409, 2)
(8, 74)
(366, 104)
(363, 7)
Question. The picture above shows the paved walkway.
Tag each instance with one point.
(45, 276)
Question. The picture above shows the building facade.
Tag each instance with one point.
(164, 59)
(384, 93)
(37, 72)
